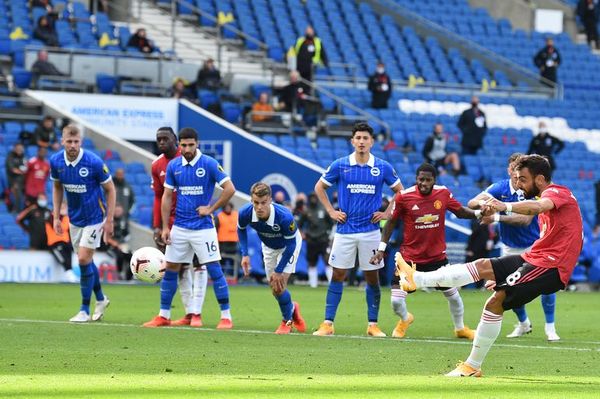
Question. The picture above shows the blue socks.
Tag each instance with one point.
(97, 287)
(86, 284)
(219, 284)
(168, 288)
(334, 296)
(286, 305)
(521, 313)
(373, 293)
(548, 303)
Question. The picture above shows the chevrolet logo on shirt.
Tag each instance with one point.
(427, 219)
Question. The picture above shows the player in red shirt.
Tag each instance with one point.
(516, 279)
(38, 170)
(192, 285)
(422, 208)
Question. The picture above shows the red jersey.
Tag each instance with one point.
(424, 219)
(561, 234)
(159, 173)
(36, 176)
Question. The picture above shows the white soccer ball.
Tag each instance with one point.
(148, 264)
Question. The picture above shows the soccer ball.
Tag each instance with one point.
(148, 264)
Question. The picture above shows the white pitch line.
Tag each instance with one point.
(417, 340)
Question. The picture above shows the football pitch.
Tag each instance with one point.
(44, 356)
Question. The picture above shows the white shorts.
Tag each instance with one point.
(506, 250)
(271, 257)
(184, 243)
(86, 237)
(345, 247)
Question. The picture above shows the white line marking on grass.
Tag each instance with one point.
(433, 340)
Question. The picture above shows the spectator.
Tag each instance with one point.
(36, 176)
(45, 4)
(315, 225)
(545, 144)
(434, 151)
(548, 60)
(43, 67)
(60, 244)
(309, 52)
(15, 173)
(117, 245)
(33, 220)
(45, 32)
(299, 205)
(124, 193)
(226, 225)
(588, 12)
(45, 134)
(291, 95)
(208, 76)
(141, 42)
(380, 85)
(181, 89)
(473, 126)
(279, 198)
(262, 105)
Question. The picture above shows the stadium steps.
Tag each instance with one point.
(193, 44)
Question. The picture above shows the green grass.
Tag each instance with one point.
(41, 355)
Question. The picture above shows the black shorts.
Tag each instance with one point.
(316, 249)
(425, 267)
(523, 282)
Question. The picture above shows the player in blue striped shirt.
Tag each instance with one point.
(360, 178)
(281, 244)
(194, 176)
(517, 234)
(86, 180)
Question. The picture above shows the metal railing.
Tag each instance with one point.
(219, 37)
(492, 60)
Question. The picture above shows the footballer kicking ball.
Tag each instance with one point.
(148, 264)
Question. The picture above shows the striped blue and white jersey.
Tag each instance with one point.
(276, 232)
(195, 183)
(359, 190)
(82, 180)
(514, 236)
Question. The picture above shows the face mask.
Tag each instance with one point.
(299, 204)
(543, 130)
(380, 70)
(474, 104)
(42, 203)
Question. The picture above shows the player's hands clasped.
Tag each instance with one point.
(492, 206)
(377, 258)
(338, 216)
(246, 265)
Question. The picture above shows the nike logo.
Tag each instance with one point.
(177, 173)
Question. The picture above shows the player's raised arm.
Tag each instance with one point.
(513, 219)
(528, 207)
(477, 201)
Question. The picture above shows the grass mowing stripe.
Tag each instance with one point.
(246, 331)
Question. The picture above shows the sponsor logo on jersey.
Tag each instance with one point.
(415, 207)
(292, 226)
(105, 169)
(276, 227)
(361, 188)
(191, 190)
(375, 171)
(75, 188)
(437, 205)
(84, 172)
(428, 221)
(200, 172)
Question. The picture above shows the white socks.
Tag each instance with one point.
(198, 290)
(185, 289)
(226, 314)
(313, 277)
(398, 299)
(487, 332)
(448, 276)
(166, 313)
(329, 273)
(457, 309)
